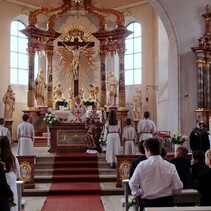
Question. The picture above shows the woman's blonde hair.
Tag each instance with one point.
(208, 154)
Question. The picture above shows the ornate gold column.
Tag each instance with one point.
(122, 99)
(30, 94)
(103, 54)
(49, 54)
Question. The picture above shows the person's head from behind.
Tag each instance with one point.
(146, 114)
(198, 156)
(152, 147)
(128, 121)
(1, 121)
(6, 153)
(208, 157)
(25, 117)
(163, 152)
(112, 120)
(181, 152)
(141, 147)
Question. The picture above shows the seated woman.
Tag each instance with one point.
(197, 166)
(77, 111)
(183, 166)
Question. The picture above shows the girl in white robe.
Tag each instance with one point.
(112, 137)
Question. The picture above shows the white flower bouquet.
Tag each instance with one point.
(88, 102)
(61, 102)
(178, 138)
(50, 118)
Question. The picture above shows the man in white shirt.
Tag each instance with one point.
(155, 180)
(4, 131)
(146, 127)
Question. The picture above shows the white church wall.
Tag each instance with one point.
(189, 25)
(144, 14)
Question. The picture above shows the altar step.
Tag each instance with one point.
(44, 171)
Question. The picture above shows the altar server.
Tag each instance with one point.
(25, 135)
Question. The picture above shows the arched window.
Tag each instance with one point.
(18, 55)
(133, 55)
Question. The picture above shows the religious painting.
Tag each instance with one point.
(71, 138)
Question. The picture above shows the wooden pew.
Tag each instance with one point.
(187, 198)
(21, 201)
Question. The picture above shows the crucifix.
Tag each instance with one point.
(76, 47)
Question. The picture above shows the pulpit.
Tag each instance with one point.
(123, 167)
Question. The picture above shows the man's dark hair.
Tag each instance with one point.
(1, 121)
(163, 152)
(141, 147)
(199, 155)
(128, 121)
(146, 114)
(153, 145)
(25, 117)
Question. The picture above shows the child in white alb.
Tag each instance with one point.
(129, 138)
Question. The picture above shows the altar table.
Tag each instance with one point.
(67, 135)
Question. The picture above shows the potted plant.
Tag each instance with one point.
(61, 103)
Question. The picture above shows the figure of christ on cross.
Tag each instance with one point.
(76, 48)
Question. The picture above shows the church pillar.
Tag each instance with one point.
(102, 78)
(30, 94)
(49, 54)
(200, 81)
(122, 99)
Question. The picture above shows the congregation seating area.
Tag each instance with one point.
(187, 200)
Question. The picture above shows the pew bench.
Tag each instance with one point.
(21, 201)
(187, 198)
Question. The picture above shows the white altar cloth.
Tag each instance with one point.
(62, 115)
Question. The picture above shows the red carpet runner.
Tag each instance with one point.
(75, 184)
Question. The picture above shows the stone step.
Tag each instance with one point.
(44, 170)
(49, 171)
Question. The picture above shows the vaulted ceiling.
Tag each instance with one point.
(100, 3)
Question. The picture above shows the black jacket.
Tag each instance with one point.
(199, 140)
(204, 187)
(134, 163)
(5, 191)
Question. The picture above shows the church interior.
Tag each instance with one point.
(62, 56)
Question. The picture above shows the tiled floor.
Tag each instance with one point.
(110, 203)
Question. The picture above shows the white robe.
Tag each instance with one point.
(4, 131)
(111, 134)
(146, 129)
(25, 135)
(129, 138)
(11, 180)
(77, 113)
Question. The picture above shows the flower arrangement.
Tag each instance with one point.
(178, 138)
(102, 141)
(89, 102)
(61, 102)
(50, 118)
(132, 201)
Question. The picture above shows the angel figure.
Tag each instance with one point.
(136, 104)
(58, 90)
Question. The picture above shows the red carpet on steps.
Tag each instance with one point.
(75, 184)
